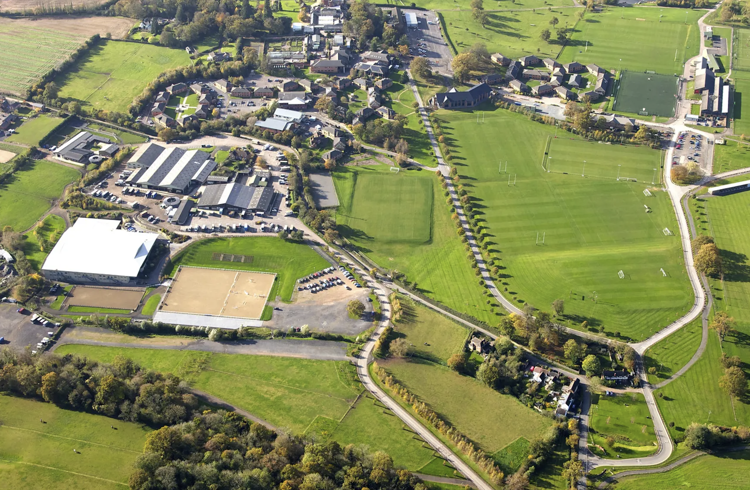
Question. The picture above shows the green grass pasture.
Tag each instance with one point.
(592, 227)
(40, 455)
(50, 229)
(113, 73)
(33, 131)
(289, 261)
(732, 155)
(438, 264)
(636, 36)
(626, 419)
(672, 353)
(726, 471)
(28, 193)
(300, 395)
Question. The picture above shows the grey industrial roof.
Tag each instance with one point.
(183, 212)
(77, 148)
(171, 168)
(237, 195)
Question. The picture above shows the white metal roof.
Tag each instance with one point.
(96, 246)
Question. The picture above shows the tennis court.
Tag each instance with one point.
(648, 94)
(218, 292)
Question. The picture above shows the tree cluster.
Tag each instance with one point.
(121, 389)
(706, 256)
(703, 436)
(224, 451)
(476, 59)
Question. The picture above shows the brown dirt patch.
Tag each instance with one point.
(218, 292)
(80, 26)
(121, 299)
(6, 156)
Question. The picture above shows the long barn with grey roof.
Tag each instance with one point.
(169, 169)
(236, 197)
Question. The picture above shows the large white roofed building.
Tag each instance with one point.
(96, 250)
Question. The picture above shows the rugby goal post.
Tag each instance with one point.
(667, 232)
(395, 169)
(647, 193)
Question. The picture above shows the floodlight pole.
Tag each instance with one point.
(549, 164)
(583, 173)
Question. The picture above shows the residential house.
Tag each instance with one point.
(158, 108)
(333, 155)
(556, 80)
(364, 113)
(289, 86)
(6, 120)
(342, 83)
(542, 89)
(327, 66)
(565, 94)
(186, 119)
(613, 121)
(218, 56)
(317, 140)
(165, 121)
(330, 131)
(518, 86)
(386, 112)
(575, 81)
(492, 79)
(480, 345)
(453, 99)
(376, 57)
(199, 88)
(530, 60)
(177, 88)
(536, 75)
(602, 84)
(513, 71)
(566, 401)
(372, 69)
(362, 83)
(242, 92)
(339, 144)
(539, 374)
(201, 113)
(593, 96)
(573, 67)
(383, 83)
(595, 70)
(551, 64)
(373, 102)
(8, 105)
(500, 59)
(308, 85)
(162, 97)
(223, 85)
(373, 91)
(559, 70)
(263, 92)
(207, 99)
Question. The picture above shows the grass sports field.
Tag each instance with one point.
(433, 336)
(113, 73)
(592, 227)
(35, 455)
(726, 471)
(635, 36)
(401, 221)
(269, 254)
(646, 93)
(490, 419)
(672, 353)
(442, 5)
(38, 244)
(300, 395)
(27, 195)
(626, 419)
(741, 79)
(33, 131)
(513, 34)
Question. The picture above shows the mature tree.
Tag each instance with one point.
(462, 66)
(558, 306)
(49, 386)
(355, 308)
(168, 134)
(517, 481)
(679, 174)
(573, 350)
(591, 365)
(400, 348)
(573, 471)
(51, 90)
(481, 16)
(723, 324)
(562, 35)
(476, 4)
(420, 67)
(165, 442)
(545, 35)
(554, 21)
(457, 362)
(698, 436)
(734, 382)
(699, 241)
(708, 260)
(488, 373)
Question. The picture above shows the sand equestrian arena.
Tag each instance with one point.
(121, 299)
(218, 292)
(6, 156)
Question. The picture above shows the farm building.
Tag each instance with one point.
(6, 120)
(97, 251)
(236, 197)
(80, 148)
(169, 169)
(470, 98)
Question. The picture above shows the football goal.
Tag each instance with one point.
(395, 169)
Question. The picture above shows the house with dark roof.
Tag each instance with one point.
(518, 86)
(162, 96)
(185, 119)
(289, 86)
(364, 113)
(530, 60)
(199, 88)
(6, 120)
(500, 59)
(386, 112)
(342, 83)
(333, 155)
(158, 108)
(223, 85)
(327, 66)
(242, 92)
(602, 84)
(573, 67)
(177, 88)
(383, 83)
(308, 85)
(542, 89)
(536, 75)
(362, 83)
(595, 70)
(575, 81)
(564, 93)
(550, 63)
(492, 79)
(339, 144)
(294, 100)
(556, 80)
(263, 92)
(165, 121)
(453, 99)
(514, 70)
